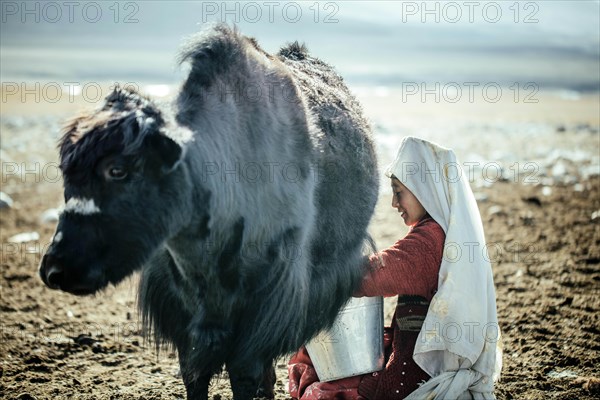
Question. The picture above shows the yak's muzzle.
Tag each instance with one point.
(55, 275)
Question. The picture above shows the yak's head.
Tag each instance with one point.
(121, 174)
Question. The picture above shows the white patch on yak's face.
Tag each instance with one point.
(81, 206)
(57, 237)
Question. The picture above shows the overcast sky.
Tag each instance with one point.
(554, 43)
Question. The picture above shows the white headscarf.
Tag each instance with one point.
(459, 344)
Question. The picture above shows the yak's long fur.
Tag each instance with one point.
(241, 269)
(304, 115)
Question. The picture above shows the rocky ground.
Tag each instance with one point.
(543, 238)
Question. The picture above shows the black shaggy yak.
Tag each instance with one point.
(245, 204)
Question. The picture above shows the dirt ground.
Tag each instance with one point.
(545, 249)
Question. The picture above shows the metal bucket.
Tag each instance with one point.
(354, 345)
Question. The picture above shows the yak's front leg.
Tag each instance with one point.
(266, 389)
(200, 362)
(252, 381)
(195, 379)
(196, 387)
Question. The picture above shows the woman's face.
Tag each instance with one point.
(406, 203)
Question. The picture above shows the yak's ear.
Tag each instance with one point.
(165, 153)
(162, 152)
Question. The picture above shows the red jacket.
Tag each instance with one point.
(409, 268)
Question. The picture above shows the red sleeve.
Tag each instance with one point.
(409, 267)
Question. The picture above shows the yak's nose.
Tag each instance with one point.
(51, 272)
(54, 276)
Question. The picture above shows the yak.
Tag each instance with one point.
(244, 202)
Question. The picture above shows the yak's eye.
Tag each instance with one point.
(115, 172)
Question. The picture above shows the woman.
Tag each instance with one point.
(444, 342)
